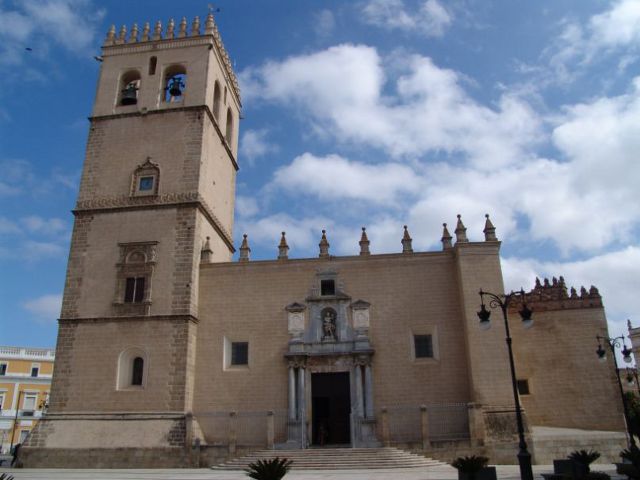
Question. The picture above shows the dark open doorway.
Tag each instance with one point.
(331, 405)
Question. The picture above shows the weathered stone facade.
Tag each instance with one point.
(169, 354)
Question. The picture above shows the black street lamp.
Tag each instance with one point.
(502, 302)
(626, 356)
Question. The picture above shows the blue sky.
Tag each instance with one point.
(373, 113)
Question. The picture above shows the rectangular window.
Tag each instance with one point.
(146, 184)
(423, 345)
(523, 387)
(240, 353)
(327, 287)
(134, 290)
(3, 368)
(23, 435)
(29, 404)
(1, 400)
(35, 371)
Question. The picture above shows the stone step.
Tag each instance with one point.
(336, 459)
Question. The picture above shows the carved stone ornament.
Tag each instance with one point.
(328, 324)
(295, 317)
(360, 315)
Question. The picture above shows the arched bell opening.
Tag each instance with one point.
(175, 83)
(216, 101)
(129, 88)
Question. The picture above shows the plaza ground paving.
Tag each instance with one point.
(440, 472)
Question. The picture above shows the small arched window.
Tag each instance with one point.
(129, 87)
(137, 371)
(175, 83)
(216, 100)
(133, 369)
(229, 131)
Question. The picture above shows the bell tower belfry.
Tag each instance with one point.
(158, 184)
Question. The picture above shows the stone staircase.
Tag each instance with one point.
(336, 459)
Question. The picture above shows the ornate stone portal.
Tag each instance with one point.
(329, 334)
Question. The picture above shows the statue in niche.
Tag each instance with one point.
(328, 324)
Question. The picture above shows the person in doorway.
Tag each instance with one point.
(16, 449)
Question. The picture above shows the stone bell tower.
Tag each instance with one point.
(157, 188)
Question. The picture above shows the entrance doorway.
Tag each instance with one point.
(331, 406)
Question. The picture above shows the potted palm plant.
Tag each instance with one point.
(271, 469)
(474, 467)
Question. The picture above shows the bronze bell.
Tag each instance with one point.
(130, 94)
(175, 87)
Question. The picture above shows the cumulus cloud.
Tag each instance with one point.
(337, 178)
(255, 144)
(341, 90)
(46, 307)
(246, 206)
(46, 24)
(431, 19)
(579, 45)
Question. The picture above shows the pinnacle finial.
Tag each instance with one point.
(209, 24)
(206, 252)
(489, 230)
(133, 36)
(157, 31)
(629, 327)
(364, 242)
(122, 36)
(111, 36)
(170, 28)
(283, 248)
(145, 32)
(182, 29)
(244, 249)
(195, 27)
(446, 238)
(324, 245)
(406, 241)
(461, 231)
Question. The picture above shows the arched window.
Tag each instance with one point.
(175, 83)
(133, 369)
(129, 87)
(229, 131)
(137, 371)
(216, 101)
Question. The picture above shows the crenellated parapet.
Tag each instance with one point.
(554, 295)
(159, 34)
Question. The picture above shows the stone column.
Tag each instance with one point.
(302, 413)
(368, 391)
(424, 424)
(292, 393)
(359, 395)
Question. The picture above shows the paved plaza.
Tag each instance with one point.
(442, 472)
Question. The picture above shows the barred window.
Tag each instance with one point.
(423, 345)
(240, 353)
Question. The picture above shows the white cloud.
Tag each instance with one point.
(431, 19)
(254, 144)
(246, 206)
(341, 89)
(324, 23)
(46, 307)
(8, 227)
(34, 250)
(46, 226)
(41, 24)
(607, 32)
(334, 177)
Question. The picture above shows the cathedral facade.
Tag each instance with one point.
(171, 354)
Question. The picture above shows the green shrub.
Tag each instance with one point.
(272, 469)
(584, 457)
(632, 454)
(470, 465)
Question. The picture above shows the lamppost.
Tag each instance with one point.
(626, 356)
(503, 302)
(631, 374)
(15, 420)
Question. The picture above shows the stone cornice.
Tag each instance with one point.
(172, 109)
(156, 318)
(166, 200)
